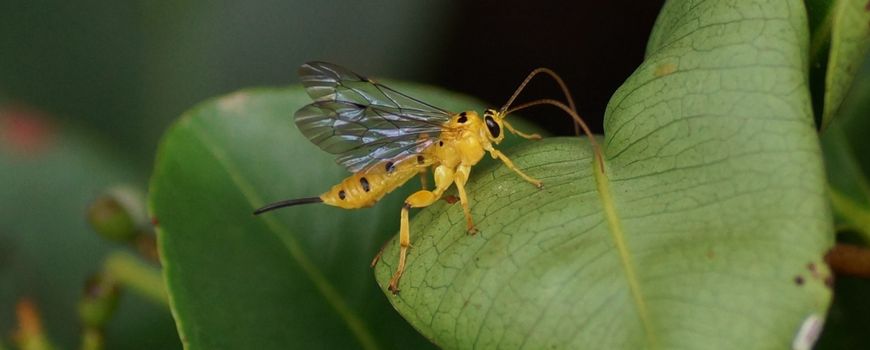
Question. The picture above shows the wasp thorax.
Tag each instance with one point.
(463, 117)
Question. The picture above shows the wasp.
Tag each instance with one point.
(386, 138)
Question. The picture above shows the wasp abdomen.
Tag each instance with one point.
(367, 187)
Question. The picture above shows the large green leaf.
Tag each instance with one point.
(706, 228)
(850, 41)
(299, 277)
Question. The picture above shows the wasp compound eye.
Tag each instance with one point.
(493, 127)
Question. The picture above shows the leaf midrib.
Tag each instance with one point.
(327, 290)
(615, 228)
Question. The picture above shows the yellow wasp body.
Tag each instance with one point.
(463, 143)
(386, 138)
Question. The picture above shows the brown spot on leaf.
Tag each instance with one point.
(665, 69)
(799, 280)
(711, 253)
(451, 199)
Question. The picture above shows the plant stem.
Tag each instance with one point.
(132, 272)
(849, 260)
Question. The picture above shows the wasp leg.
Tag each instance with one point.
(460, 179)
(378, 256)
(424, 179)
(420, 199)
(520, 133)
(507, 162)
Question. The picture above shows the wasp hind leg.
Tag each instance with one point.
(420, 199)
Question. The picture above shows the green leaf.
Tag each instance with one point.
(847, 161)
(849, 190)
(51, 173)
(707, 228)
(298, 277)
(850, 41)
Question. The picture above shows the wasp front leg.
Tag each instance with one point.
(460, 178)
(507, 162)
(534, 136)
(420, 199)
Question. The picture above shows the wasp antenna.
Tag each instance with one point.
(529, 77)
(287, 203)
(577, 119)
(504, 109)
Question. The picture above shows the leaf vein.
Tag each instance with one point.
(328, 291)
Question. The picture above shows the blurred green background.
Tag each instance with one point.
(87, 88)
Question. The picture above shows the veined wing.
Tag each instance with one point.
(362, 121)
(364, 135)
(329, 82)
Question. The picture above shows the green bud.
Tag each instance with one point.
(93, 339)
(118, 214)
(98, 302)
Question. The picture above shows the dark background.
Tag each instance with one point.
(592, 45)
(126, 69)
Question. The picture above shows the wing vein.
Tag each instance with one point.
(361, 121)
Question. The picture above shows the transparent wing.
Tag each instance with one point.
(361, 121)
(364, 135)
(329, 82)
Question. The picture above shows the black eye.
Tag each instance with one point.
(493, 127)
